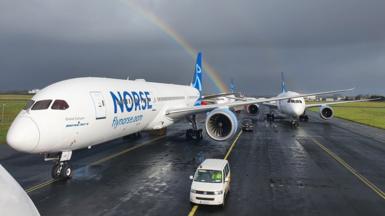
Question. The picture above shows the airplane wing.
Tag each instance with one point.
(272, 104)
(179, 112)
(206, 97)
(338, 102)
(13, 199)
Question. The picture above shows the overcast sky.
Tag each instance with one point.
(320, 45)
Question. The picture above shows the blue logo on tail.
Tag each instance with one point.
(232, 86)
(197, 79)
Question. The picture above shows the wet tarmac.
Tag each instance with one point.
(322, 168)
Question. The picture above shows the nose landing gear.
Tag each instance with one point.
(294, 124)
(61, 169)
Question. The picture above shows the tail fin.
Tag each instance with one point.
(232, 86)
(283, 85)
(197, 78)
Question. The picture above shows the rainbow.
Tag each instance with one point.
(165, 27)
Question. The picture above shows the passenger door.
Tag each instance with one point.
(99, 104)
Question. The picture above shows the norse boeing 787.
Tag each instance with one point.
(82, 112)
(295, 107)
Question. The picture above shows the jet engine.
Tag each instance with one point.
(326, 112)
(252, 109)
(221, 124)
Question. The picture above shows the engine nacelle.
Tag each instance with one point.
(221, 124)
(252, 109)
(326, 112)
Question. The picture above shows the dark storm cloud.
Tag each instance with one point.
(320, 45)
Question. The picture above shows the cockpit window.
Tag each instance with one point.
(41, 105)
(294, 101)
(60, 105)
(29, 104)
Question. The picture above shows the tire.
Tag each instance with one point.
(188, 134)
(55, 171)
(66, 171)
(200, 134)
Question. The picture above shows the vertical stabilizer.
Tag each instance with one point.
(232, 86)
(197, 78)
(283, 85)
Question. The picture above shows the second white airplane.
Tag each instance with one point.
(295, 107)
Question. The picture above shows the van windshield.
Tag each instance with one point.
(208, 176)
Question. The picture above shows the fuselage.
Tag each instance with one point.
(82, 112)
(293, 107)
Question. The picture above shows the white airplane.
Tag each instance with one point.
(82, 112)
(295, 108)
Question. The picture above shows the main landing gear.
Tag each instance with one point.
(194, 133)
(61, 169)
(270, 116)
(304, 118)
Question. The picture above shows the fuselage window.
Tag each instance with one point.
(29, 104)
(60, 105)
(41, 105)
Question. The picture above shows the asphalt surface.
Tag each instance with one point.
(321, 168)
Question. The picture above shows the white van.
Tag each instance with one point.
(211, 182)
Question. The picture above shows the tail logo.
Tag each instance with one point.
(197, 81)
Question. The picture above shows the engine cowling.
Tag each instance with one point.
(252, 109)
(326, 112)
(221, 124)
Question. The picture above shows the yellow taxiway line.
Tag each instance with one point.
(195, 207)
(362, 178)
(48, 182)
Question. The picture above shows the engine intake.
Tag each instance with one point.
(252, 109)
(221, 124)
(326, 112)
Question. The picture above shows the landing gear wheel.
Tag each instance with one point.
(270, 116)
(189, 133)
(304, 118)
(199, 134)
(56, 170)
(194, 134)
(294, 124)
(61, 170)
(66, 171)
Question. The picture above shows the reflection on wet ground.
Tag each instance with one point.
(276, 170)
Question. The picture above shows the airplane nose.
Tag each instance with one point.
(298, 110)
(23, 135)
